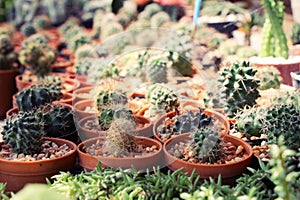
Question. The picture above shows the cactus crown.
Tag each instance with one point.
(156, 70)
(269, 77)
(23, 133)
(240, 87)
(54, 80)
(37, 95)
(206, 145)
(7, 55)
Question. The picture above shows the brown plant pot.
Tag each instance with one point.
(228, 170)
(78, 94)
(80, 109)
(89, 162)
(7, 82)
(18, 173)
(221, 118)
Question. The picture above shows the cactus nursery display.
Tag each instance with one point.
(130, 100)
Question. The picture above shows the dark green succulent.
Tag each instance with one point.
(7, 55)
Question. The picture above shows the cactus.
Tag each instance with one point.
(274, 42)
(206, 145)
(153, 8)
(82, 67)
(28, 29)
(159, 19)
(109, 98)
(85, 51)
(246, 52)
(42, 22)
(250, 121)
(23, 133)
(295, 34)
(38, 57)
(162, 98)
(113, 28)
(52, 80)
(283, 119)
(7, 55)
(240, 87)
(37, 95)
(269, 77)
(78, 40)
(156, 70)
(56, 10)
(229, 47)
(212, 98)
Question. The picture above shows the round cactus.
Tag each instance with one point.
(28, 29)
(159, 19)
(269, 77)
(156, 70)
(7, 55)
(109, 99)
(42, 22)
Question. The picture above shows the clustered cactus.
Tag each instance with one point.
(269, 77)
(240, 87)
(7, 55)
(37, 95)
(206, 145)
(274, 42)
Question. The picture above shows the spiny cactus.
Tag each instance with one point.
(295, 34)
(41, 22)
(7, 55)
(111, 29)
(156, 70)
(51, 79)
(153, 8)
(37, 95)
(58, 120)
(85, 51)
(28, 29)
(206, 145)
(283, 119)
(38, 57)
(250, 121)
(162, 97)
(23, 133)
(229, 47)
(78, 40)
(240, 87)
(269, 77)
(212, 98)
(159, 19)
(274, 42)
(246, 52)
(108, 99)
(82, 67)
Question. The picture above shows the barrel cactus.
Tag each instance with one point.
(269, 77)
(7, 55)
(156, 70)
(110, 98)
(240, 87)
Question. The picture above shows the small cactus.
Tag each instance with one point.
(52, 80)
(111, 29)
(156, 70)
(159, 19)
(37, 95)
(295, 34)
(85, 51)
(7, 55)
(79, 40)
(28, 29)
(269, 77)
(240, 87)
(42, 22)
(206, 145)
(108, 99)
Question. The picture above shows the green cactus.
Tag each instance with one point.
(162, 97)
(153, 8)
(38, 57)
(85, 51)
(23, 133)
(28, 29)
(82, 67)
(269, 77)
(229, 47)
(250, 121)
(111, 29)
(283, 119)
(52, 80)
(206, 145)
(156, 70)
(274, 42)
(295, 34)
(37, 95)
(159, 19)
(246, 52)
(78, 40)
(110, 98)
(7, 55)
(42, 22)
(240, 87)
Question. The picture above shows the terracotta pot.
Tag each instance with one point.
(12, 111)
(61, 63)
(208, 170)
(141, 2)
(18, 173)
(80, 109)
(216, 115)
(67, 99)
(89, 162)
(80, 94)
(7, 82)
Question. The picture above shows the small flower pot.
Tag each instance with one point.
(228, 170)
(18, 173)
(89, 162)
(83, 93)
(80, 109)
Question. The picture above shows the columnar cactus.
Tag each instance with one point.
(156, 70)
(274, 42)
(7, 55)
(206, 145)
(240, 87)
(23, 133)
(37, 95)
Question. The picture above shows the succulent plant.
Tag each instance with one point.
(250, 121)
(156, 70)
(23, 133)
(159, 19)
(42, 22)
(28, 29)
(206, 145)
(212, 98)
(110, 98)
(229, 47)
(240, 87)
(140, 24)
(38, 57)
(37, 95)
(162, 98)
(153, 8)
(78, 40)
(7, 55)
(246, 52)
(295, 34)
(52, 79)
(82, 66)
(269, 77)
(283, 119)
(57, 10)
(111, 29)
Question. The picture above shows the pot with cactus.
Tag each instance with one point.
(8, 72)
(209, 153)
(274, 50)
(27, 156)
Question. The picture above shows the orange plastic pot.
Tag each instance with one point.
(18, 173)
(228, 170)
(89, 162)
